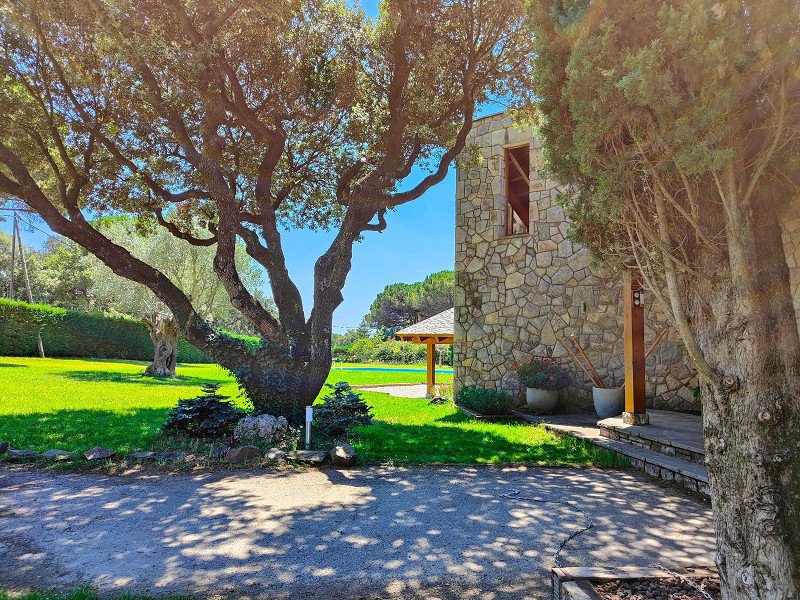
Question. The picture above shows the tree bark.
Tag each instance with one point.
(745, 325)
(164, 333)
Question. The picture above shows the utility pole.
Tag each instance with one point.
(13, 257)
(18, 236)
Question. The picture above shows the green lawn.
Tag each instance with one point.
(411, 431)
(75, 404)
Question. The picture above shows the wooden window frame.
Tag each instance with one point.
(512, 167)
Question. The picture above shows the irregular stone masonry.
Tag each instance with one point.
(515, 293)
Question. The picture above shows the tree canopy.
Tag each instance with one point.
(402, 304)
(246, 118)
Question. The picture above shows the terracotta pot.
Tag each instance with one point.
(541, 401)
(608, 402)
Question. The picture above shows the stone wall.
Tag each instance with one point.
(514, 294)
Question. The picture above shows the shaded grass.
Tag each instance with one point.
(84, 593)
(410, 431)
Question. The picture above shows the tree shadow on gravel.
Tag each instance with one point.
(377, 533)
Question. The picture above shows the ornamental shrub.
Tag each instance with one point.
(208, 415)
(483, 401)
(341, 410)
(542, 373)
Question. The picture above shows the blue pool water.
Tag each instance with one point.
(386, 369)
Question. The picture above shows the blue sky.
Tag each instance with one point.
(418, 241)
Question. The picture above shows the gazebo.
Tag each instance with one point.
(437, 329)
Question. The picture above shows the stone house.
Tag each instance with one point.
(521, 284)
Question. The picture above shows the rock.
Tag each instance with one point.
(315, 457)
(262, 426)
(343, 455)
(240, 455)
(218, 452)
(4, 447)
(144, 455)
(276, 454)
(98, 453)
(173, 455)
(59, 455)
(22, 455)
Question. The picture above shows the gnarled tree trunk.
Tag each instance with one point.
(164, 333)
(745, 325)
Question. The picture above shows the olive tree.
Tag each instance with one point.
(246, 117)
(677, 124)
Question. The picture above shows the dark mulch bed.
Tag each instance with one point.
(658, 589)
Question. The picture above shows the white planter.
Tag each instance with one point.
(608, 402)
(541, 401)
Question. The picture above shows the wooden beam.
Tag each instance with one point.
(634, 344)
(426, 338)
(431, 368)
(519, 168)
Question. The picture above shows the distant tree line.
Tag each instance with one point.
(397, 306)
(403, 304)
(65, 275)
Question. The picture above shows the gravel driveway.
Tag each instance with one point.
(410, 533)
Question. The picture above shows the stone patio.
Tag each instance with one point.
(670, 448)
(400, 390)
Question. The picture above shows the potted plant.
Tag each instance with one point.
(543, 378)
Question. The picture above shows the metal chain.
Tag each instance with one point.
(514, 494)
(685, 579)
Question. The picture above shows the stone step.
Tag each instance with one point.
(672, 434)
(686, 473)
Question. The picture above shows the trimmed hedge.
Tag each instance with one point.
(80, 334)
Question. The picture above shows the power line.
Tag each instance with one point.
(42, 231)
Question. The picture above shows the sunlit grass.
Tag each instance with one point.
(412, 431)
(74, 404)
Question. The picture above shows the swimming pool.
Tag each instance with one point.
(399, 370)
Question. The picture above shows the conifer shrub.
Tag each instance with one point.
(208, 415)
(341, 410)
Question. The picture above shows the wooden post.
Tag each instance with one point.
(633, 300)
(431, 367)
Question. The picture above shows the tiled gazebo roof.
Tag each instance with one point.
(437, 329)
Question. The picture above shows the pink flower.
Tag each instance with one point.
(551, 378)
(549, 362)
(516, 366)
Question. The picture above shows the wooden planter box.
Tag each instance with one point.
(574, 583)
